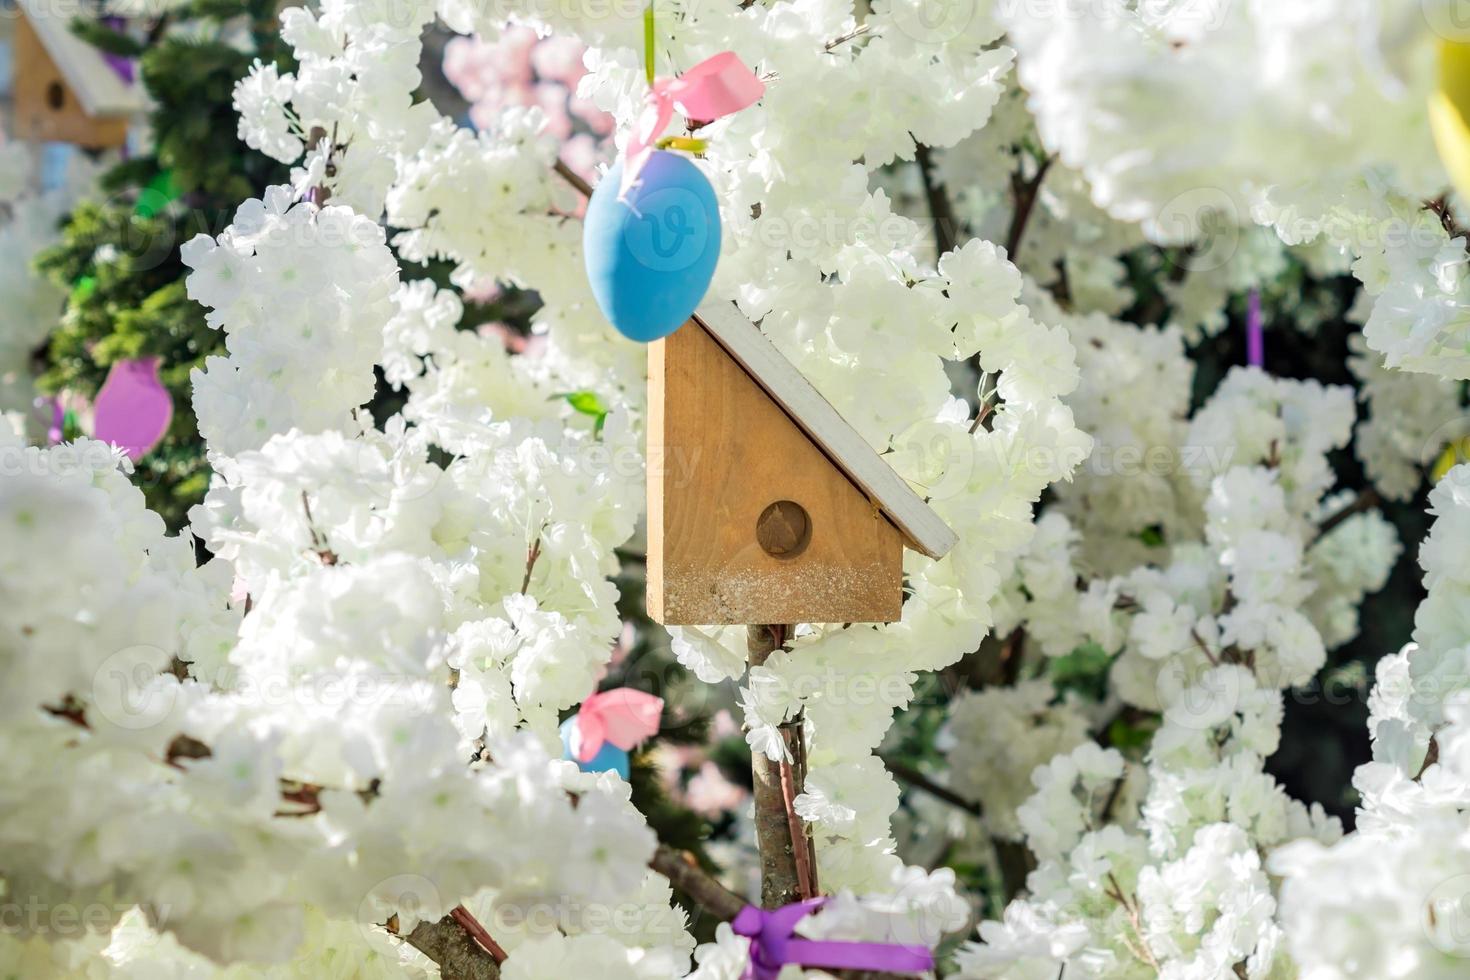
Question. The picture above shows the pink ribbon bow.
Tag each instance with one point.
(718, 86)
(621, 716)
(772, 946)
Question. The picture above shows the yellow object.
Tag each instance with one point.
(1457, 452)
(1449, 110)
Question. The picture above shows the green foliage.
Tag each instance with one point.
(118, 257)
(1131, 733)
(587, 403)
(105, 38)
(1084, 670)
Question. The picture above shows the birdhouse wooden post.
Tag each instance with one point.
(764, 504)
(64, 90)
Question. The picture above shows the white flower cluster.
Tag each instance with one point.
(1168, 881)
(1410, 419)
(1413, 271)
(303, 295)
(1389, 900)
(473, 534)
(373, 570)
(298, 775)
(1345, 84)
(1158, 869)
(350, 713)
(1323, 136)
(834, 277)
(1007, 187)
(1137, 482)
(1188, 538)
(998, 736)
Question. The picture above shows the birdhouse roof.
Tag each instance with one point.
(843, 445)
(100, 90)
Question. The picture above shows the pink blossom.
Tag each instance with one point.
(520, 69)
(560, 59)
(711, 794)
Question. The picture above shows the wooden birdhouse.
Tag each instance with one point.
(764, 504)
(65, 90)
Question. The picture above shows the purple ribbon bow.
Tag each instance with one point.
(122, 66)
(772, 946)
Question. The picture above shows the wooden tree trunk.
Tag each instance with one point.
(447, 944)
(787, 858)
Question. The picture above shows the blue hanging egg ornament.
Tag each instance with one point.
(652, 253)
(609, 758)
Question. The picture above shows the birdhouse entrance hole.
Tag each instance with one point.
(784, 529)
(55, 95)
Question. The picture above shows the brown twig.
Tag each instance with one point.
(572, 177)
(1140, 950)
(318, 541)
(1431, 756)
(1199, 641)
(1440, 208)
(986, 408)
(686, 876)
(940, 209)
(1024, 192)
(842, 39)
(305, 795)
(1366, 500)
(532, 553)
(1114, 794)
(918, 780)
(478, 933)
(798, 750)
(797, 829)
(71, 710)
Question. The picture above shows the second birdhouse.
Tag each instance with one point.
(764, 504)
(65, 90)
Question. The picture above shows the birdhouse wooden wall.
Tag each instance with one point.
(748, 520)
(46, 108)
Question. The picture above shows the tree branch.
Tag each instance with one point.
(1366, 500)
(686, 876)
(532, 553)
(572, 177)
(918, 780)
(781, 881)
(940, 209)
(1025, 193)
(837, 42)
(448, 944)
(800, 848)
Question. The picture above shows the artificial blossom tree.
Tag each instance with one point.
(1001, 241)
